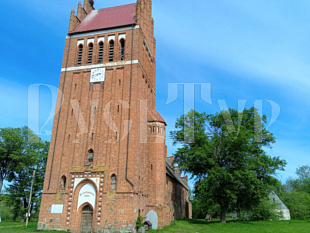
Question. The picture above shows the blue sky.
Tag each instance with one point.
(247, 50)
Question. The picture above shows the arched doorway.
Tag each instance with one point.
(87, 219)
(153, 218)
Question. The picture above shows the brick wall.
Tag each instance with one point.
(95, 116)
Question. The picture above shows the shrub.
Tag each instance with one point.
(265, 210)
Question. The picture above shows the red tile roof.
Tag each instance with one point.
(154, 116)
(108, 18)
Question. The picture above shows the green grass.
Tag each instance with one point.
(19, 227)
(195, 226)
(201, 226)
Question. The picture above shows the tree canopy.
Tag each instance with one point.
(21, 152)
(296, 193)
(302, 183)
(224, 152)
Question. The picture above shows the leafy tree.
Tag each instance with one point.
(202, 205)
(5, 210)
(302, 183)
(27, 152)
(297, 193)
(298, 203)
(11, 145)
(227, 157)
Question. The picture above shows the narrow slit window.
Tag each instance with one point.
(150, 129)
(90, 53)
(63, 183)
(90, 156)
(100, 55)
(113, 182)
(122, 49)
(111, 51)
(80, 55)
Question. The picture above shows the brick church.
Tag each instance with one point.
(108, 157)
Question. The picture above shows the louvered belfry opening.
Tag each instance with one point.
(90, 53)
(122, 50)
(111, 51)
(80, 55)
(100, 55)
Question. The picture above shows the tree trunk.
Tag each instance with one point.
(223, 214)
(1, 184)
(15, 216)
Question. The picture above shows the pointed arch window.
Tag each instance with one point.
(90, 53)
(80, 54)
(111, 51)
(100, 55)
(63, 182)
(122, 49)
(113, 182)
(90, 156)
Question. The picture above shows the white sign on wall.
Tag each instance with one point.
(97, 75)
(57, 209)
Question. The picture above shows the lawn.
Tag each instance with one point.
(195, 226)
(19, 227)
(201, 226)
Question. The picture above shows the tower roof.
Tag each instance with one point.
(154, 116)
(108, 18)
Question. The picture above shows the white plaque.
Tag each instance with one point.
(57, 209)
(97, 75)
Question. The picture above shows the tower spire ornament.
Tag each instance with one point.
(91, 2)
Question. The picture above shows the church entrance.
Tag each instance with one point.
(87, 219)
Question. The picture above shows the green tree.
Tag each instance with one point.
(298, 203)
(11, 145)
(297, 193)
(225, 153)
(27, 152)
(302, 183)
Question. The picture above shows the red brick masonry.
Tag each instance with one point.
(116, 121)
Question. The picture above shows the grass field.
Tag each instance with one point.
(201, 226)
(195, 226)
(19, 227)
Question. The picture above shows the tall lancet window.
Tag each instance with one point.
(100, 55)
(111, 51)
(122, 49)
(90, 53)
(63, 182)
(80, 55)
(113, 182)
(90, 156)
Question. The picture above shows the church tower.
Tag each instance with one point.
(107, 159)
